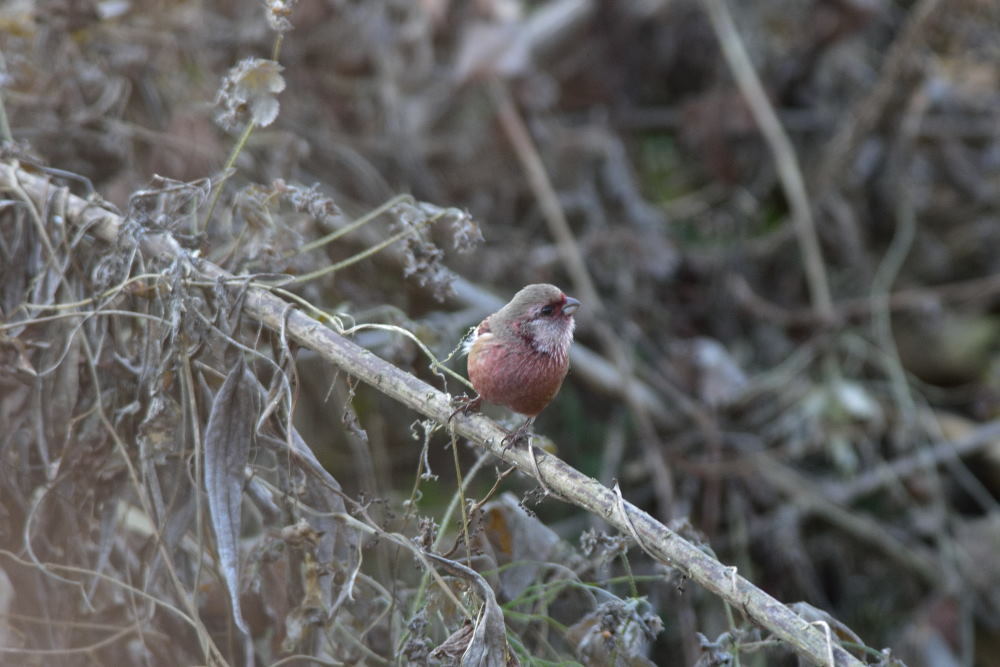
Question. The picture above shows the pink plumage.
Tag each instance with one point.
(519, 355)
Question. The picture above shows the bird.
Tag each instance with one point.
(518, 357)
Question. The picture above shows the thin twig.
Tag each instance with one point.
(781, 148)
(5, 133)
(892, 262)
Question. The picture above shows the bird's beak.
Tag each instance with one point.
(570, 306)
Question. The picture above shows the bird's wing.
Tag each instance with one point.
(470, 338)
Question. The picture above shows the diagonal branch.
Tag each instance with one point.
(565, 481)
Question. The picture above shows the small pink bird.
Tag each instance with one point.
(519, 355)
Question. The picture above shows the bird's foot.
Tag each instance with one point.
(521, 434)
(465, 405)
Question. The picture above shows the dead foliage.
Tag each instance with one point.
(795, 326)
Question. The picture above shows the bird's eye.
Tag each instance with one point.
(548, 310)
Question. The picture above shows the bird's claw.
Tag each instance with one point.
(465, 405)
(521, 434)
(512, 439)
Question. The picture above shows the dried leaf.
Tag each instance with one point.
(517, 537)
(714, 653)
(178, 516)
(422, 260)
(164, 203)
(161, 428)
(311, 611)
(485, 643)
(488, 647)
(251, 87)
(228, 438)
(329, 548)
(452, 648)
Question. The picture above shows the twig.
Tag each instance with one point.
(357, 257)
(461, 500)
(662, 543)
(347, 229)
(532, 451)
(829, 640)
(227, 171)
(922, 459)
(781, 148)
(5, 133)
(892, 262)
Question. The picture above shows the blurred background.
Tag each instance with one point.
(781, 218)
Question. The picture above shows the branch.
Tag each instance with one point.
(656, 539)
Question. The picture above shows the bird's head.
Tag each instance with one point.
(542, 315)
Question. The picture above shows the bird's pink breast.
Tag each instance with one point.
(515, 375)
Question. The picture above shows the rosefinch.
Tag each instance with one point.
(519, 355)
